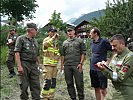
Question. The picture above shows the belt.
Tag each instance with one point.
(30, 61)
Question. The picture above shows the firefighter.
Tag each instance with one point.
(11, 40)
(50, 60)
(121, 73)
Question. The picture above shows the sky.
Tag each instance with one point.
(68, 9)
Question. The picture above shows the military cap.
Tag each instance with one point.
(13, 29)
(32, 25)
(70, 29)
(52, 30)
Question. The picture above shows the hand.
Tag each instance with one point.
(80, 68)
(20, 70)
(62, 68)
(40, 66)
(100, 65)
(56, 35)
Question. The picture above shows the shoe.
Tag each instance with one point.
(12, 74)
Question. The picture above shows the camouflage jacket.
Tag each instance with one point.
(123, 65)
(11, 38)
(72, 51)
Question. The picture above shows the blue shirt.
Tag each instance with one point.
(99, 50)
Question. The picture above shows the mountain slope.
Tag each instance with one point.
(89, 16)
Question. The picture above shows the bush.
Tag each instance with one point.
(4, 52)
(4, 33)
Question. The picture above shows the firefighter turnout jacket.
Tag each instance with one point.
(50, 52)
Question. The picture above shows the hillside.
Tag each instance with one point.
(89, 16)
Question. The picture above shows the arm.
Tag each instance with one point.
(48, 42)
(125, 71)
(81, 63)
(83, 53)
(62, 57)
(62, 63)
(17, 50)
(39, 62)
(20, 68)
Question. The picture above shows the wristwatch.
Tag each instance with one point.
(81, 63)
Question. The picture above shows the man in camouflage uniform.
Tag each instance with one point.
(50, 61)
(11, 40)
(73, 55)
(27, 58)
(121, 73)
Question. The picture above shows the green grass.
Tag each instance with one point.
(10, 89)
(4, 53)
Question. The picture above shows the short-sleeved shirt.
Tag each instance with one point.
(28, 48)
(72, 51)
(99, 50)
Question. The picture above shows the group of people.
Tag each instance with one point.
(25, 49)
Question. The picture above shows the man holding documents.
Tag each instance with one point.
(122, 69)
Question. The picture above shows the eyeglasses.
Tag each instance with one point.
(69, 30)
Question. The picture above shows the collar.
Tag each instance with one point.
(124, 52)
(71, 39)
(28, 37)
(97, 40)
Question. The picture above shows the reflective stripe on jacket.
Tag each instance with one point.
(50, 52)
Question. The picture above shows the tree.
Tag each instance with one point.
(18, 9)
(57, 22)
(118, 18)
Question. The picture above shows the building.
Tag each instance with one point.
(82, 29)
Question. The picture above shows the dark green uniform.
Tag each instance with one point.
(72, 51)
(11, 55)
(122, 64)
(28, 49)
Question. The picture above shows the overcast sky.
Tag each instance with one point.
(68, 9)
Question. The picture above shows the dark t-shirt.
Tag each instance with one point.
(99, 50)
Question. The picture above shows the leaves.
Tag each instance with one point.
(118, 18)
(18, 9)
(57, 22)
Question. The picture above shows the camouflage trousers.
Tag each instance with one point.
(30, 78)
(72, 75)
(11, 61)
